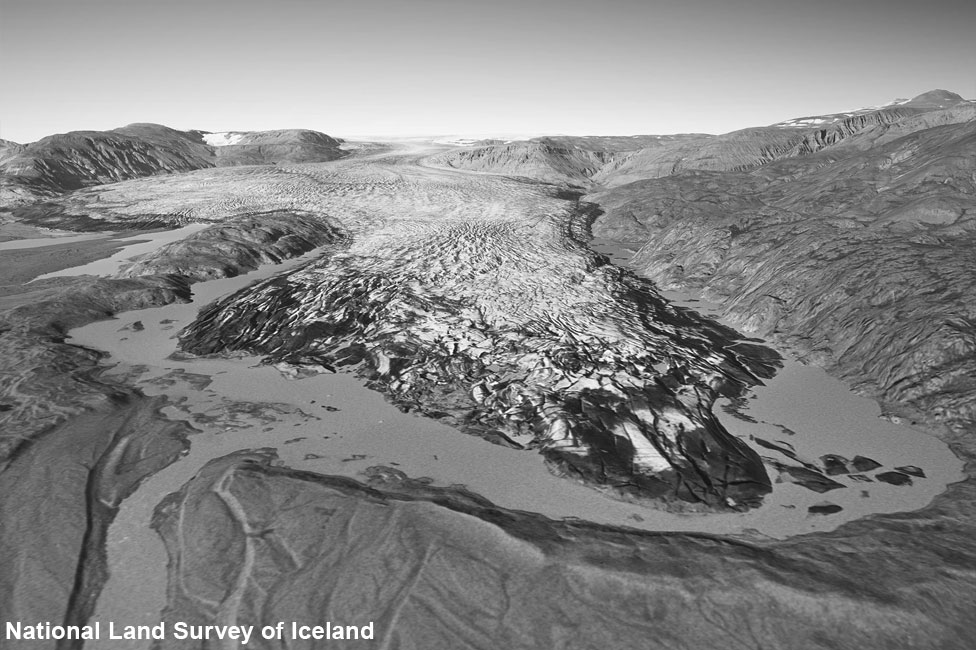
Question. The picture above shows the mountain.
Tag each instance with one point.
(595, 162)
(9, 149)
(858, 254)
(563, 159)
(71, 161)
(545, 159)
(77, 159)
(271, 147)
(934, 99)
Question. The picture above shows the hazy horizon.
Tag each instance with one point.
(383, 68)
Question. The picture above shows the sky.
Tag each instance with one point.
(430, 67)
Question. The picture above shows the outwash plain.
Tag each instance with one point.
(661, 391)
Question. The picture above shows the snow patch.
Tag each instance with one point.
(456, 141)
(222, 139)
(806, 121)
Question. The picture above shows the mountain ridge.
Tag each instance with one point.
(70, 161)
(610, 161)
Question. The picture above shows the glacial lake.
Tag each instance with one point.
(332, 424)
(812, 414)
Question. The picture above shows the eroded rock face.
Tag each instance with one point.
(579, 359)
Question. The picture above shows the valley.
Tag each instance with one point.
(476, 393)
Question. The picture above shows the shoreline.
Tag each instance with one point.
(737, 416)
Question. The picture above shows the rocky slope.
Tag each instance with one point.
(593, 162)
(238, 245)
(284, 146)
(545, 160)
(70, 161)
(859, 255)
(561, 159)
(73, 160)
(9, 149)
(740, 150)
